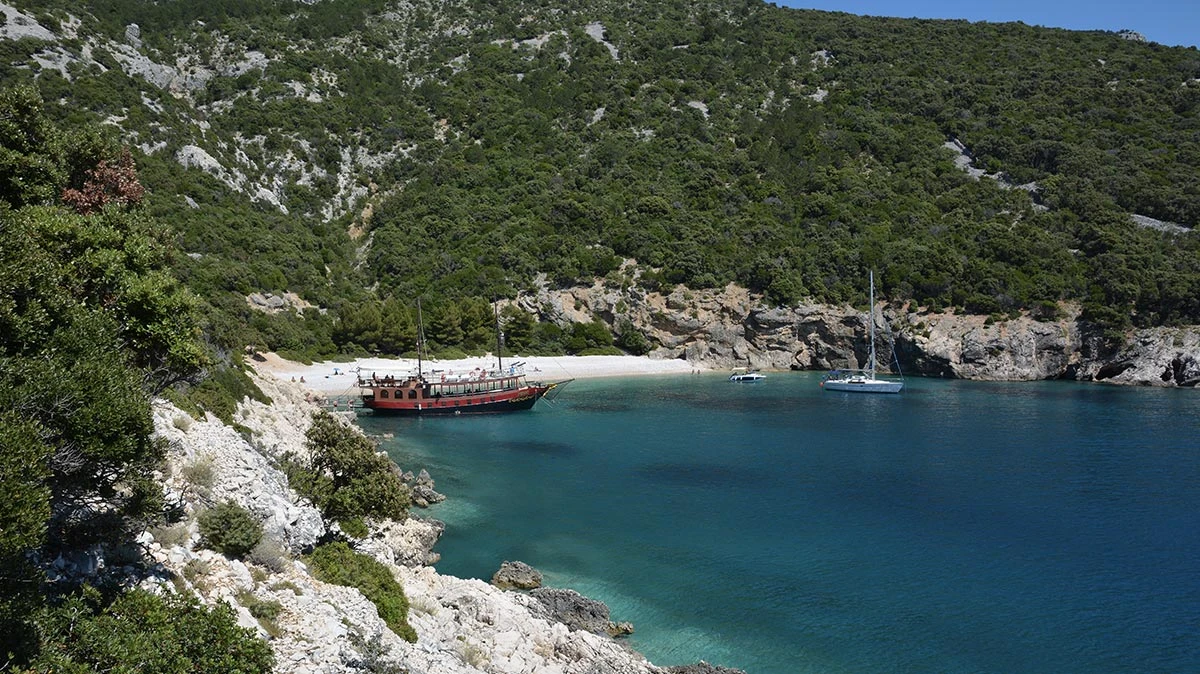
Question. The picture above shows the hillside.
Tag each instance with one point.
(359, 151)
(705, 180)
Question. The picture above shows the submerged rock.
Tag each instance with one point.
(702, 667)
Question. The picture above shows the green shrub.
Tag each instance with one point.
(230, 529)
(265, 612)
(224, 388)
(336, 563)
(143, 632)
(354, 527)
(345, 478)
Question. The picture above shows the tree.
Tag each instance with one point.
(31, 155)
(109, 182)
(344, 476)
(91, 324)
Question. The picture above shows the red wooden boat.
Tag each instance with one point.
(476, 392)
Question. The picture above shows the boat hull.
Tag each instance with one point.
(863, 385)
(490, 403)
(747, 379)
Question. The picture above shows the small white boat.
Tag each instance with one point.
(863, 381)
(746, 375)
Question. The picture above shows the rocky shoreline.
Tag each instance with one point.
(463, 626)
(732, 327)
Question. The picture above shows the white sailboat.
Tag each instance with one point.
(863, 381)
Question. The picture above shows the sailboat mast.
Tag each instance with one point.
(871, 326)
(420, 337)
(499, 340)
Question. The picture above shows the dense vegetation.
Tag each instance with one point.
(715, 142)
(346, 478)
(92, 325)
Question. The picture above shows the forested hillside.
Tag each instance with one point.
(362, 152)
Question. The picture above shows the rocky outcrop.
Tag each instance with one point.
(462, 626)
(732, 327)
(517, 576)
(408, 543)
(421, 486)
(578, 612)
(1155, 357)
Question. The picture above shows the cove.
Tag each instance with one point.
(957, 527)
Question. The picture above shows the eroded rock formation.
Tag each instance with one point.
(733, 327)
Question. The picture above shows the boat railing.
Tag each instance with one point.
(514, 372)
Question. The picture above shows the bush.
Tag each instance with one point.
(265, 612)
(200, 471)
(230, 529)
(336, 563)
(224, 388)
(144, 632)
(345, 478)
(270, 555)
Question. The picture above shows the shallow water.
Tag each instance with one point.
(957, 527)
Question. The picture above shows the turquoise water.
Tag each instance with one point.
(958, 527)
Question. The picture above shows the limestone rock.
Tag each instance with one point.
(421, 486)
(517, 576)
(731, 327)
(578, 612)
(408, 543)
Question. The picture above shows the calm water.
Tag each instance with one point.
(958, 527)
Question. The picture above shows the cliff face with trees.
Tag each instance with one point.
(360, 153)
(92, 325)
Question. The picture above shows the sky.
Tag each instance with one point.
(1169, 22)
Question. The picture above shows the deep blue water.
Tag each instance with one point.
(774, 527)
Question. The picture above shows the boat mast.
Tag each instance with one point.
(499, 340)
(420, 337)
(871, 327)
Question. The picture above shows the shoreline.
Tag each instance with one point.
(339, 377)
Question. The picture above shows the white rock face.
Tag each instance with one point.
(240, 474)
(18, 24)
(595, 31)
(721, 328)
(462, 626)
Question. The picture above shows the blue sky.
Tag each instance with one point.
(1170, 22)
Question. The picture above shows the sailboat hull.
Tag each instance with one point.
(862, 385)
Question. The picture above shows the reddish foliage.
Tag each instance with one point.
(110, 182)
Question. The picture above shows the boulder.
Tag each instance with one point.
(517, 576)
(421, 486)
(578, 612)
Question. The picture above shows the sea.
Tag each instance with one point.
(781, 529)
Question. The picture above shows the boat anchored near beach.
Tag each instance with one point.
(746, 375)
(863, 381)
(478, 391)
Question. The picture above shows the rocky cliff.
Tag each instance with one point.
(463, 626)
(732, 327)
